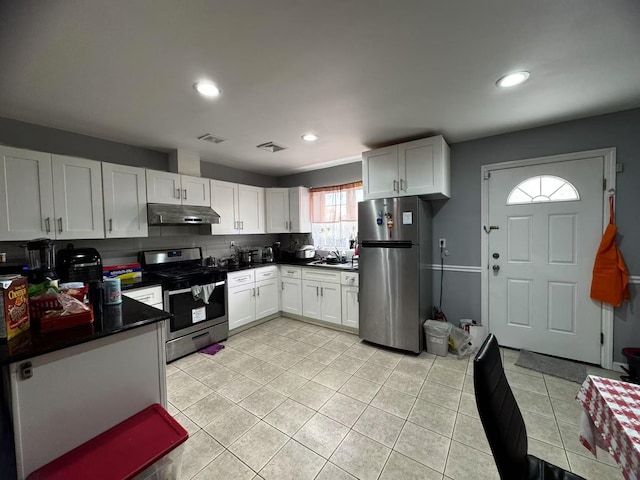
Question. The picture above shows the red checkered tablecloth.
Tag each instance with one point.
(611, 420)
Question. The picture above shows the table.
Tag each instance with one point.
(611, 420)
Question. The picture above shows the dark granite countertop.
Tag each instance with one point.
(113, 320)
(341, 267)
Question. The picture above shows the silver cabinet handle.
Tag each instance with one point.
(47, 224)
(258, 291)
(401, 185)
(358, 297)
(60, 224)
(184, 194)
(241, 225)
(282, 283)
(322, 291)
(317, 293)
(395, 185)
(110, 225)
(254, 292)
(177, 193)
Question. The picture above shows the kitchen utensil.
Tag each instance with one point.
(305, 252)
(40, 258)
(267, 254)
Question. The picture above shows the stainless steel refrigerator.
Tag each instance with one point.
(395, 279)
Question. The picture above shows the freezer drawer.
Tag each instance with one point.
(390, 296)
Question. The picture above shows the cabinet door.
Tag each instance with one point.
(266, 298)
(164, 187)
(224, 200)
(424, 167)
(125, 201)
(277, 210)
(150, 295)
(350, 307)
(299, 210)
(311, 305)
(195, 191)
(251, 209)
(291, 295)
(331, 298)
(77, 198)
(242, 306)
(26, 195)
(380, 173)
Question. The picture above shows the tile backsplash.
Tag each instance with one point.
(125, 250)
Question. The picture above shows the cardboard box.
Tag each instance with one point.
(14, 306)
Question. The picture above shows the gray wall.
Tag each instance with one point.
(338, 175)
(46, 139)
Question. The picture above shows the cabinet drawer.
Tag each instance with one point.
(240, 278)
(349, 278)
(290, 272)
(320, 275)
(150, 295)
(266, 273)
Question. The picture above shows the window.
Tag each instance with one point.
(334, 214)
(543, 188)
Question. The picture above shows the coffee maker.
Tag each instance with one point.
(40, 260)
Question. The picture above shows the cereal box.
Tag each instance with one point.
(14, 306)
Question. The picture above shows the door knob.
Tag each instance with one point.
(496, 268)
(496, 255)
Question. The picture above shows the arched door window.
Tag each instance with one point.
(543, 188)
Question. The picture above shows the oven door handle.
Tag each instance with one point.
(187, 290)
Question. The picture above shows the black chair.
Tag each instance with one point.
(503, 422)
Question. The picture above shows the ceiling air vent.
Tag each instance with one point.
(207, 137)
(271, 147)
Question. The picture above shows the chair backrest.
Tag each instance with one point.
(499, 412)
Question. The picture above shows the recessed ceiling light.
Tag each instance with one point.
(309, 137)
(207, 89)
(512, 79)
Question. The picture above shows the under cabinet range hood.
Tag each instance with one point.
(165, 214)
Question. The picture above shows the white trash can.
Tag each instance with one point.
(436, 334)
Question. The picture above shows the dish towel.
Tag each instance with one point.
(610, 281)
(203, 292)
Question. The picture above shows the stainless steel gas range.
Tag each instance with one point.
(186, 284)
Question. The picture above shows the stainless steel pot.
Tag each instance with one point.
(306, 252)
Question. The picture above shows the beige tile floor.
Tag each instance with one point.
(291, 400)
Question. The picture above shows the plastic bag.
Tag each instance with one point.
(70, 305)
(459, 341)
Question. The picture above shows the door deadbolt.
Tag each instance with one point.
(496, 255)
(496, 268)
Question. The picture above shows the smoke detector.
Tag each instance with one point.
(207, 137)
(271, 147)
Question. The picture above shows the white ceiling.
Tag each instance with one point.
(359, 73)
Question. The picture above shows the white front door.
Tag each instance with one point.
(549, 219)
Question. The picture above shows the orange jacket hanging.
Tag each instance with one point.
(610, 281)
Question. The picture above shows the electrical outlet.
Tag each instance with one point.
(443, 243)
(233, 243)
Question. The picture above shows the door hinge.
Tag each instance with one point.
(604, 184)
(601, 338)
(486, 175)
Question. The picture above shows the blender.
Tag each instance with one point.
(41, 260)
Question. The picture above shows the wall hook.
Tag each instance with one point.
(491, 227)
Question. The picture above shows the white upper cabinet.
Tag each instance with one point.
(288, 210)
(125, 201)
(241, 208)
(251, 209)
(77, 198)
(164, 187)
(277, 211)
(26, 195)
(420, 167)
(299, 210)
(195, 191)
(176, 189)
(224, 200)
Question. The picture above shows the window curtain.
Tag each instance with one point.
(334, 214)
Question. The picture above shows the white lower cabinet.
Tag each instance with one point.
(321, 296)
(253, 294)
(331, 303)
(151, 296)
(291, 295)
(311, 304)
(350, 306)
(266, 298)
(242, 306)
